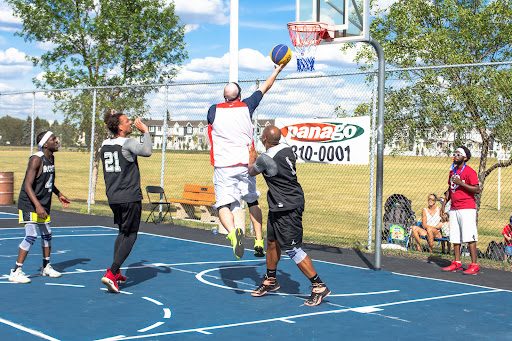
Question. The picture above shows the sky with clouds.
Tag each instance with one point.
(262, 25)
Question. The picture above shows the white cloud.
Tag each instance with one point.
(196, 12)
(46, 46)
(8, 22)
(332, 56)
(249, 60)
(14, 71)
(12, 56)
(13, 64)
(260, 25)
(186, 75)
(385, 4)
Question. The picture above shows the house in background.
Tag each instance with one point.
(442, 144)
(187, 135)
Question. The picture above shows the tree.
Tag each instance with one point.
(102, 43)
(40, 126)
(11, 130)
(66, 133)
(448, 32)
(27, 131)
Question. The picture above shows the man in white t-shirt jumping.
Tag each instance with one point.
(231, 131)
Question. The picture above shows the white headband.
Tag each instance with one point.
(461, 151)
(44, 139)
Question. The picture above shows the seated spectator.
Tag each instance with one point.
(432, 224)
(507, 234)
(445, 219)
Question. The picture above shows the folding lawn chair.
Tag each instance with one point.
(399, 235)
(157, 199)
(438, 240)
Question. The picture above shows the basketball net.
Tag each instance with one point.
(305, 37)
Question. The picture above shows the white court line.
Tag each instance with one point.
(315, 260)
(167, 313)
(152, 300)
(321, 261)
(66, 285)
(69, 235)
(328, 312)
(200, 275)
(203, 332)
(112, 338)
(53, 227)
(28, 330)
(120, 291)
(158, 324)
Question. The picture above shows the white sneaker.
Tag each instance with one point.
(18, 276)
(49, 271)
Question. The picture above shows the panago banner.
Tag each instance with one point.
(337, 140)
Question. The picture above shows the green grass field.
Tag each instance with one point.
(337, 197)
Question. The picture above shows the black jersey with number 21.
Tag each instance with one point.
(122, 177)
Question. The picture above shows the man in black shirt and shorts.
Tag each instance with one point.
(34, 205)
(122, 182)
(286, 205)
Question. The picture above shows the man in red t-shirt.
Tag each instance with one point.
(507, 234)
(463, 182)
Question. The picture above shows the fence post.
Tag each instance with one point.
(372, 162)
(93, 128)
(164, 147)
(32, 123)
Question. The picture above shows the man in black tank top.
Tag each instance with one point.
(122, 182)
(34, 204)
(286, 205)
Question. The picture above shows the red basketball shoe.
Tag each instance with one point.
(120, 278)
(110, 281)
(473, 269)
(454, 267)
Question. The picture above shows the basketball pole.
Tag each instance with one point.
(233, 41)
(380, 149)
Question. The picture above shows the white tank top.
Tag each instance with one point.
(433, 220)
(230, 134)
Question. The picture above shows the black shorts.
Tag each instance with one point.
(286, 228)
(127, 216)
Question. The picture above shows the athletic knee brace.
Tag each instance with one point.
(46, 240)
(30, 237)
(46, 234)
(297, 254)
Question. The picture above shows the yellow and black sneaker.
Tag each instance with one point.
(259, 249)
(319, 292)
(236, 237)
(268, 284)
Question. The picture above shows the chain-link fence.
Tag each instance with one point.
(429, 112)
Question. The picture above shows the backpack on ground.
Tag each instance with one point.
(495, 251)
(397, 211)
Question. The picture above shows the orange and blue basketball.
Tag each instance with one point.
(281, 54)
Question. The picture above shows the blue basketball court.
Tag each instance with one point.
(181, 289)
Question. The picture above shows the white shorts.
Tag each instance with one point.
(463, 226)
(233, 184)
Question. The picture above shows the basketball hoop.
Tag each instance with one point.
(305, 37)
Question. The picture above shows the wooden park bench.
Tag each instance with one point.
(197, 196)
